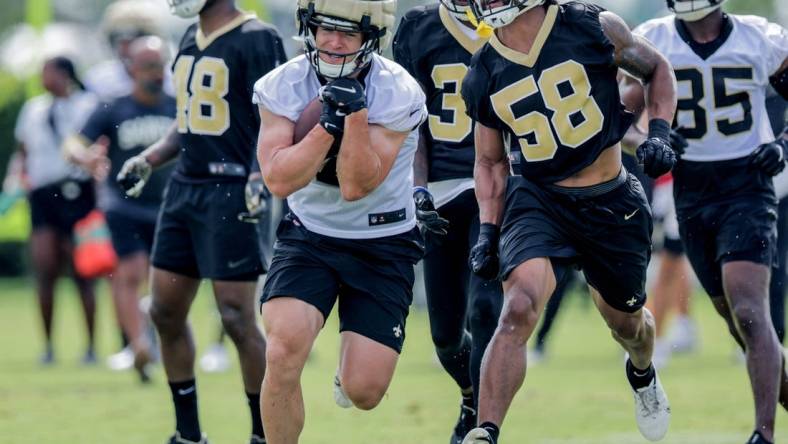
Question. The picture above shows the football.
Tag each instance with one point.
(309, 117)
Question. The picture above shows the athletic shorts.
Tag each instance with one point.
(130, 234)
(604, 229)
(198, 233)
(727, 212)
(60, 206)
(372, 278)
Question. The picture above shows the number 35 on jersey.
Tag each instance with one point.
(201, 89)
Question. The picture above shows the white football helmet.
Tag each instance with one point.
(373, 19)
(693, 10)
(460, 11)
(186, 8)
(498, 16)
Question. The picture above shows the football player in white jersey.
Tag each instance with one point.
(723, 188)
(351, 234)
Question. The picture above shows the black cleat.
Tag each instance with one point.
(177, 439)
(465, 423)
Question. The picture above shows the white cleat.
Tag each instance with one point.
(478, 436)
(652, 410)
(122, 360)
(340, 397)
(684, 335)
(215, 360)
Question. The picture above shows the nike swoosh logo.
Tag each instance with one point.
(236, 264)
(414, 112)
(184, 392)
(350, 90)
(629, 216)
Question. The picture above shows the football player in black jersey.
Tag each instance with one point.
(198, 234)
(435, 44)
(545, 84)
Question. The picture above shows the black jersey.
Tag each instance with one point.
(214, 77)
(131, 127)
(560, 103)
(432, 47)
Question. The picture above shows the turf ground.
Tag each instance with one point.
(579, 395)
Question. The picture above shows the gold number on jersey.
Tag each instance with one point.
(566, 90)
(461, 125)
(205, 111)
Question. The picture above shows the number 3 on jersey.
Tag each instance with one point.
(460, 125)
(202, 107)
(576, 115)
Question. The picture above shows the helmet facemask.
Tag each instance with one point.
(353, 62)
(186, 8)
(693, 10)
(460, 12)
(499, 16)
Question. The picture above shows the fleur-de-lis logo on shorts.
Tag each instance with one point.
(632, 301)
(397, 331)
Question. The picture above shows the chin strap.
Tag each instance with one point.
(484, 30)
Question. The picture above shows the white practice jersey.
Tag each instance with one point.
(721, 108)
(395, 101)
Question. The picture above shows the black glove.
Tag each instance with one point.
(426, 214)
(678, 142)
(655, 155)
(484, 255)
(345, 95)
(769, 157)
(332, 120)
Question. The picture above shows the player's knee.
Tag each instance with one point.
(520, 314)
(165, 318)
(751, 318)
(484, 313)
(235, 323)
(447, 339)
(627, 328)
(366, 394)
(282, 361)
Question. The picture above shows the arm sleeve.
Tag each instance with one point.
(399, 104)
(776, 47)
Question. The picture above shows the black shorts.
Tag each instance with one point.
(726, 212)
(605, 229)
(130, 233)
(372, 278)
(61, 205)
(198, 233)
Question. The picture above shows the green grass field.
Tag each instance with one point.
(580, 395)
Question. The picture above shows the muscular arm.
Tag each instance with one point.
(362, 166)
(642, 61)
(288, 167)
(421, 163)
(490, 171)
(165, 149)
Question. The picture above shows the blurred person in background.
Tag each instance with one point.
(59, 193)
(672, 285)
(114, 133)
(123, 21)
